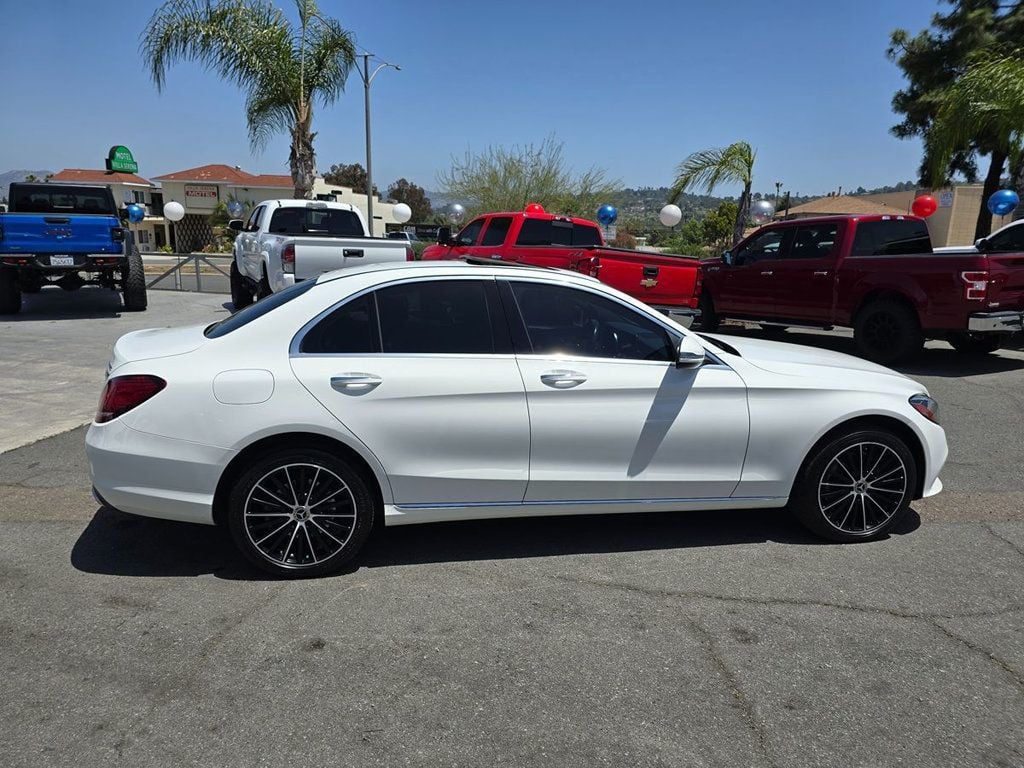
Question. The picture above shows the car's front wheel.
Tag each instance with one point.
(300, 513)
(857, 487)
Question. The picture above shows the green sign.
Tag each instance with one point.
(120, 159)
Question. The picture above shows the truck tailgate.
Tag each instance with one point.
(1006, 276)
(655, 279)
(56, 233)
(316, 255)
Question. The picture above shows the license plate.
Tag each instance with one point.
(62, 261)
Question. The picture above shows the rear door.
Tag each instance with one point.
(747, 286)
(804, 280)
(492, 241)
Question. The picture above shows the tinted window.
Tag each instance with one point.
(567, 321)
(253, 224)
(471, 232)
(497, 230)
(536, 232)
(1010, 239)
(767, 245)
(327, 222)
(584, 235)
(814, 242)
(60, 198)
(260, 308)
(891, 236)
(437, 317)
(350, 329)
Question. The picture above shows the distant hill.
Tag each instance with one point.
(8, 177)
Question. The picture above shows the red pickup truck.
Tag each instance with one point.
(876, 274)
(668, 283)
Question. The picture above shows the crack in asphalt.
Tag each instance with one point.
(999, 662)
(1012, 544)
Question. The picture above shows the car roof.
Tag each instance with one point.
(454, 267)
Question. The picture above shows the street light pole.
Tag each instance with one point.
(367, 79)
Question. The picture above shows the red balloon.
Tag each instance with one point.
(534, 208)
(924, 206)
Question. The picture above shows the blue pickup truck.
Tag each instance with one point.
(68, 236)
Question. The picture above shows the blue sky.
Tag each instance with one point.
(630, 87)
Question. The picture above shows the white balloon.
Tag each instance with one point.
(670, 215)
(761, 211)
(456, 212)
(174, 211)
(402, 213)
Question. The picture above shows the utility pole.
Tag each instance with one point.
(367, 79)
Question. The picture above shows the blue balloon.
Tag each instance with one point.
(136, 213)
(236, 208)
(607, 214)
(1003, 202)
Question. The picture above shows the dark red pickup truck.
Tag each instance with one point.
(876, 274)
(668, 283)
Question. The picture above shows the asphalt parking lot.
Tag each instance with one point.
(728, 639)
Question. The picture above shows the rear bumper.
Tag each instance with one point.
(48, 263)
(996, 322)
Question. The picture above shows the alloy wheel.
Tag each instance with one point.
(862, 487)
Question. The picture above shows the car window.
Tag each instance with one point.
(1010, 239)
(260, 308)
(584, 235)
(253, 224)
(497, 230)
(891, 236)
(813, 242)
(60, 198)
(470, 232)
(315, 222)
(767, 245)
(350, 329)
(438, 317)
(568, 321)
(540, 232)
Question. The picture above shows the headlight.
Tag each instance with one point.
(926, 406)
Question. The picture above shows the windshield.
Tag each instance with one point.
(61, 198)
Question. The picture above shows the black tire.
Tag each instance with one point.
(887, 331)
(709, 320)
(31, 282)
(133, 284)
(10, 293)
(820, 496)
(975, 344)
(773, 331)
(241, 296)
(264, 289)
(328, 539)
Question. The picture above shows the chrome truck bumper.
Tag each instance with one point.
(1005, 322)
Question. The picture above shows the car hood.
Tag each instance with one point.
(155, 342)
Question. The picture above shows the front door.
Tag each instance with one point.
(611, 416)
(748, 283)
(422, 373)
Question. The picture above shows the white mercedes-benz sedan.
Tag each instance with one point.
(421, 392)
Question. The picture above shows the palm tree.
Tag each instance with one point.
(710, 167)
(987, 99)
(283, 70)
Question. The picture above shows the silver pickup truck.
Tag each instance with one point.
(287, 241)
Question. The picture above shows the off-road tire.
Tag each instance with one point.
(709, 320)
(975, 344)
(241, 296)
(264, 289)
(818, 500)
(887, 331)
(31, 282)
(133, 284)
(10, 293)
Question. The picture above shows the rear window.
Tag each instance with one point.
(554, 232)
(58, 198)
(326, 222)
(259, 309)
(891, 237)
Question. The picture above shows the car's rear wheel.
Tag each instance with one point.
(887, 331)
(857, 487)
(10, 293)
(300, 513)
(241, 295)
(975, 343)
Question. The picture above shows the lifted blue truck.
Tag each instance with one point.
(69, 236)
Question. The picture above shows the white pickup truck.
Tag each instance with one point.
(287, 241)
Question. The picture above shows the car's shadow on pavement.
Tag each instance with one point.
(932, 361)
(56, 304)
(118, 544)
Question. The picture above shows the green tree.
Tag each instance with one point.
(352, 176)
(413, 195)
(283, 69)
(932, 61)
(710, 167)
(506, 179)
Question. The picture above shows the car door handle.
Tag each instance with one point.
(355, 383)
(821, 273)
(768, 273)
(562, 379)
(351, 252)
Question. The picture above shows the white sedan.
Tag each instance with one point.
(421, 392)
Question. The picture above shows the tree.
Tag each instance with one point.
(413, 195)
(710, 167)
(284, 70)
(31, 177)
(932, 61)
(352, 176)
(506, 179)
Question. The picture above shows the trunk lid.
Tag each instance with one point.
(650, 277)
(152, 343)
(316, 255)
(58, 233)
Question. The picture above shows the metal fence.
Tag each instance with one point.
(187, 273)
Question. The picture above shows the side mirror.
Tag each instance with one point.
(727, 258)
(236, 224)
(690, 353)
(444, 235)
(981, 244)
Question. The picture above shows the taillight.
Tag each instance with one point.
(288, 258)
(117, 234)
(123, 393)
(410, 254)
(976, 288)
(593, 267)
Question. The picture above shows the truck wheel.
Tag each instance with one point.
(975, 343)
(773, 331)
(241, 296)
(133, 284)
(709, 319)
(264, 289)
(887, 331)
(31, 282)
(10, 293)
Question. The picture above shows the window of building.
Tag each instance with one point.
(143, 236)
